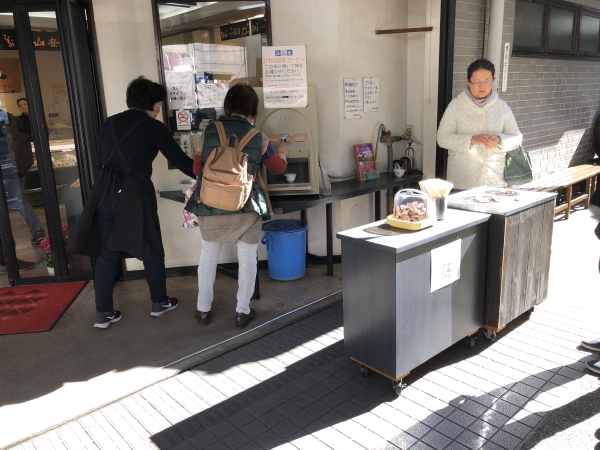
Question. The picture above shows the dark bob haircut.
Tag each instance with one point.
(480, 64)
(143, 94)
(241, 99)
(20, 100)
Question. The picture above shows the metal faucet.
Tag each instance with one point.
(387, 139)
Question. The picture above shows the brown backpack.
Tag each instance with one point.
(226, 183)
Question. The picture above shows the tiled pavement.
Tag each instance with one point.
(295, 389)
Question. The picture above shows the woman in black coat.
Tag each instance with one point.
(120, 217)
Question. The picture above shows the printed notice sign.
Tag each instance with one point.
(184, 120)
(353, 98)
(211, 95)
(371, 93)
(284, 77)
(180, 87)
(445, 265)
(505, 66)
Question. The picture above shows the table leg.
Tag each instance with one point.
(378, 205)
(588, 191)
(304, 222)
(568, 198)
(329, 219)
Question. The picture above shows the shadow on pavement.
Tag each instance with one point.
(323, 394)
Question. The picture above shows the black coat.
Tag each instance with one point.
(136, 229)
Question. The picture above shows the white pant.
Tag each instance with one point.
(207, 271)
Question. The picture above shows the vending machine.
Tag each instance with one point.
(298, 128)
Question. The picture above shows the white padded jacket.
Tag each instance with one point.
(469, 165)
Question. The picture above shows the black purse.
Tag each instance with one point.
(517, 167)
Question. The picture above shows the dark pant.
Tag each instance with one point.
(108, 262)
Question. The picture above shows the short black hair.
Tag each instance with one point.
(143, 93)
(21, 99)
(482, 63)
(241, 99)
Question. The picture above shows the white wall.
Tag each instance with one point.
(341, 43)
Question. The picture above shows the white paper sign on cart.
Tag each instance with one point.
(445, 265)
(180, 90)
(284, 77)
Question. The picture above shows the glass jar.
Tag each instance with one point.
(413, 210)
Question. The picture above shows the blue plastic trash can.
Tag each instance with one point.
(286, 249)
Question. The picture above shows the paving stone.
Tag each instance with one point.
(471, 440)
(456, 446)
(506, 440)
(516, 428)
(403, 440)
(421, 446)
(254, 428)
(505, 408)
(461, 418)
(336, 440)
(436, 440)
(257, 409)
(494, 418)
(483, 428)
(527, 418)
(302, 418)
(317, 408)
(236, 439)
(471, 407)
(268, 439)
(449, 429)
(515, 399)
(524, 389)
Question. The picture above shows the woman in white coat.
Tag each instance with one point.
(478, 129)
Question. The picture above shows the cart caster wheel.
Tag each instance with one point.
(489, 335)
(469, 342)
(364, 371)
(398, 386)
(530, 310)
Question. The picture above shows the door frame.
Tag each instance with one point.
(82, 88)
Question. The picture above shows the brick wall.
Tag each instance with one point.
(554, 101)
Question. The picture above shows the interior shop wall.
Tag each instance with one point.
(341, 43)
(126, 45)
(553, 111)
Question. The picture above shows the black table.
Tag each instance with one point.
(283, 204)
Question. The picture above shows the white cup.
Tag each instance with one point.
(290, 177)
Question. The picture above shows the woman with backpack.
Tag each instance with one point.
(243, 226)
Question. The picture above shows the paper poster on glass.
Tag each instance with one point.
(284, 77)
(445, 265)
(180, 90)
(211, 95)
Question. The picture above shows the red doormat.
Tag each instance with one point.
(27, 309)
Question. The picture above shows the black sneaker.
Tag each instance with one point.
(103, 319)
(158, 309)
(38, 237)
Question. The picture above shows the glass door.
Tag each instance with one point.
(39, 153)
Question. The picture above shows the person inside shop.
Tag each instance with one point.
(478, 129)
(23, 123)
(240, 227)
(120, 217)
(20, 132)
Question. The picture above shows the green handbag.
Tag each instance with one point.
(517, 168)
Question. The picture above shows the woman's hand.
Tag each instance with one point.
(282, 148)
(486, 140)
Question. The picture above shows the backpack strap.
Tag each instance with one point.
(264, 186)
(249, 135)
(221, 131)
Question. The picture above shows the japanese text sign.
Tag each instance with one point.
(180, 90)
(184, 120)
(445, 265)
(353, 98)
(371, 93)
(284, 77)
(211, 95)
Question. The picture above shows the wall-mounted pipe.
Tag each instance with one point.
(495, 36)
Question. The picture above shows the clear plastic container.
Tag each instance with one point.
(413, 210)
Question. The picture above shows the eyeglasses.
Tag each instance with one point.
(479, 83)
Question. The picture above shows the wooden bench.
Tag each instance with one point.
(583, 178)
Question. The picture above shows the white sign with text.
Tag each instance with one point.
(445, 265)
(353, 98)
(371, 93)
(285, 83)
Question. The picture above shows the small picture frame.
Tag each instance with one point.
(366, 167)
